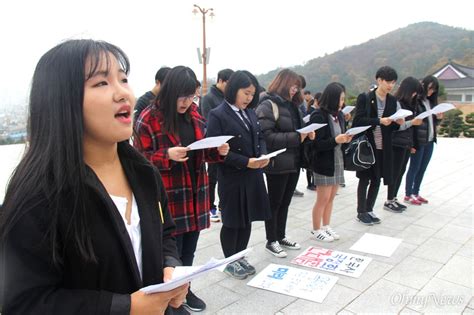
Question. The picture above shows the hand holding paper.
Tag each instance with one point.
(270, 155)
(310, 128)
(356, 130)
(211, 142)
(347, 109)
(400, 114)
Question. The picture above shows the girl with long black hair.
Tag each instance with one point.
(85, 222)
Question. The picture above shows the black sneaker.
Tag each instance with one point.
(249, 269)
(392, 206)
(235, 270)
(400, 205)
(298, 193)
(180, 311)
(275, 249)
(364, 218)
(286, 243)
(375, 220)
(193, 303)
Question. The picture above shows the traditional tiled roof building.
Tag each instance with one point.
(458, 82)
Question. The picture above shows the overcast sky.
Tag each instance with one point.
(245, 34)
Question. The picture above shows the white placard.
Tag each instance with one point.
(376, 244)
(357, 130)
(346, 110)
(401, 113)
(347, 264)
(441, 108)
(306, 118)
(211, 142)
(310, 128)
(270, 155)
(308, 285)
(189, 274)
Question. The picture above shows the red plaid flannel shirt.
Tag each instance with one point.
(189, 215)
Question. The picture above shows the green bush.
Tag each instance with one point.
(452, 124)
(469, 126)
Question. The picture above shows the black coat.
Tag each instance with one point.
(366, 114)
(281, 134)
(242, 193)
(404, 138)
(421, 132)
(34, 286)
(325, 141)
(211, 100)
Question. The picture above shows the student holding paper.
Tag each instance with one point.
(402, 139)
(164, 130)
(85, 222)
(329, 172)
(242, 192)
(279, 119)
(374, 109)
(425, 137)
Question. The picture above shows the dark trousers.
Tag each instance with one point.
(187, 243)
(310, 177)
(280, 192)
(366, 198)
(400, 161)
(234, 240)
(212, 173)
(418, 164)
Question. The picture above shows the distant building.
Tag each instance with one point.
(458, 82)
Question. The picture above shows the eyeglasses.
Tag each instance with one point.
(186, 98)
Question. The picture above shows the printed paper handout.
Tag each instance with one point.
(211, 142)
(306, 118)
(357, 130)
(424, 114)
(376, 244)
(440, 108)
(310, 128)
(270, 155)
(401, 113)
(188, 274)
(308, 285)
(347, 264)
(346, 110)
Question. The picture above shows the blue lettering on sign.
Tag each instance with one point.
(278, 274)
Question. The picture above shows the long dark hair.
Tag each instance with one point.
(404, 94)
(435, 85)
(52, 171)
(180, 81)
(331, 97)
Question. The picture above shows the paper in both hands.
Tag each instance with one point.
(211, 142)
(270, 155)
(357, 130)
(310, 128)
(346, 110)
(306, 118)
(441, 108)
(400, 114)
(188, 274)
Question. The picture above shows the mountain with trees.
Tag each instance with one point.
(416, 50)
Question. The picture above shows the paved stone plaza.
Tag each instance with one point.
(433, 264)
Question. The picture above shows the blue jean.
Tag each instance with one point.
(418, 164)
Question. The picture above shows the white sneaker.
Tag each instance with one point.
(331, 232)
(322, 236)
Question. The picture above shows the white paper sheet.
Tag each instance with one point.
(346, 110)
(310, 128)
(306, 118)
(270, 155)
(357, 130)
(304, 284)
(441, 108)
(401, 113)
(424, 114)
(376, 244)
(191, 274)
(211, 142)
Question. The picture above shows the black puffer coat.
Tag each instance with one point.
(281, 133)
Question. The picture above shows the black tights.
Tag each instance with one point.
(234, 240)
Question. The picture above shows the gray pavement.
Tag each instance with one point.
(430, 272)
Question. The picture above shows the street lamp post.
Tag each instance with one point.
(204, 11)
